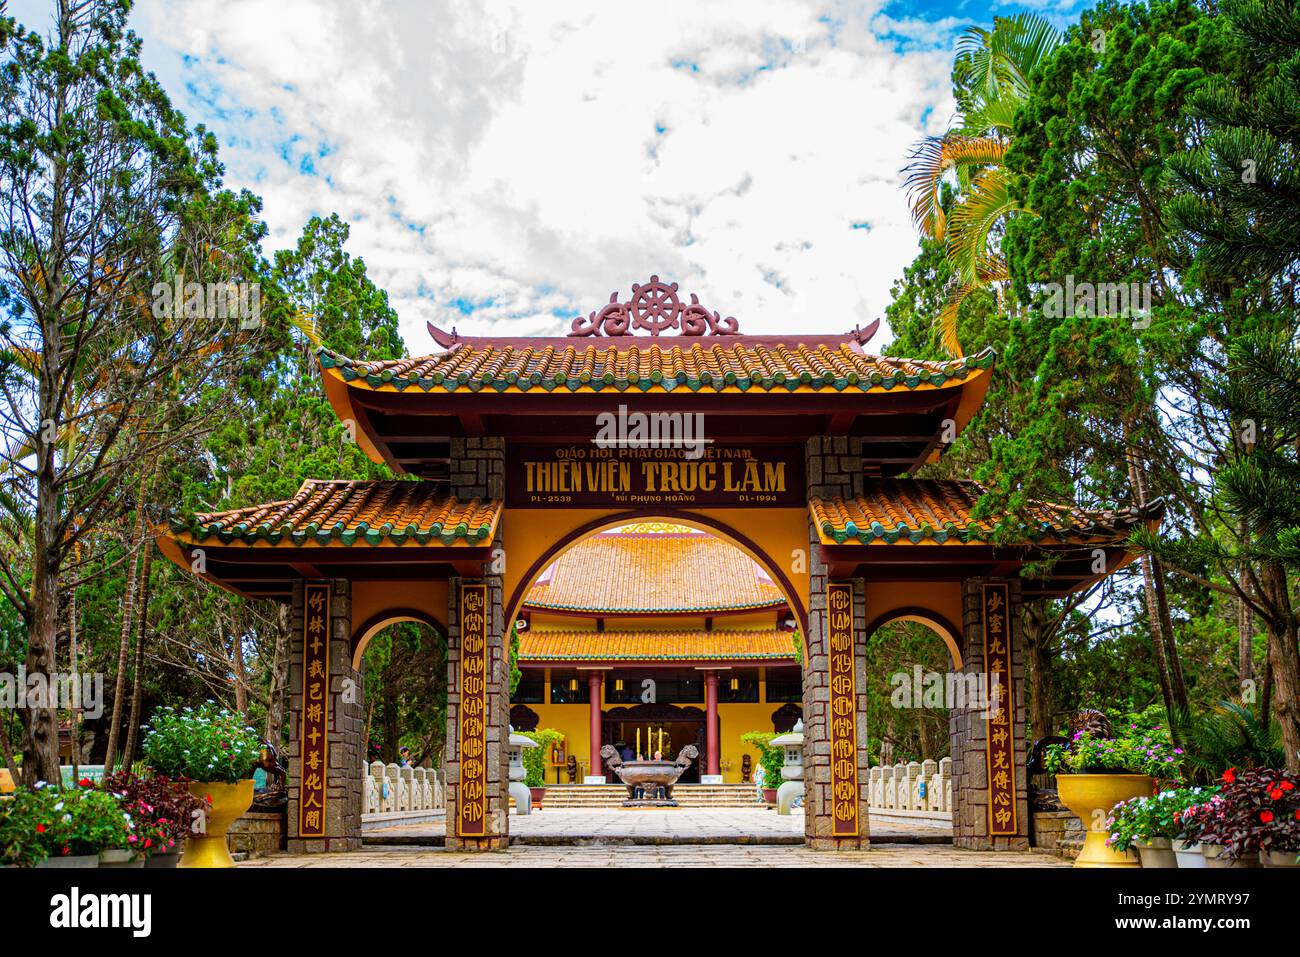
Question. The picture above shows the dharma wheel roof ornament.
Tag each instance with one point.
(654, 308)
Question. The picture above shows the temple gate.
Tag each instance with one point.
(789, 447)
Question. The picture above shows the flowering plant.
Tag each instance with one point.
(22, 824)
(157, 803)
(1254, 810)
(207, 743)
(1138, 820)
(1138, 752)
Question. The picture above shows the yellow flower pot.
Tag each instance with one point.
(1091, 797)
(228, 801)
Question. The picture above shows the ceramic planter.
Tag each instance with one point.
(1091, 797)
(120, 857)
(1158, 852)
(229, 801)
(769, 796)
(1280, 858)
(164, 860)
(78, 860)
(1189, 855)
(1216, 856)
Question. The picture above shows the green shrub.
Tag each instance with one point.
(205, 744)
(535, 758)
(771, 760)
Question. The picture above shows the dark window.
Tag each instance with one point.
(785, 687)
(531, 690)
(570, 689)
(745, 687)
(677, 687)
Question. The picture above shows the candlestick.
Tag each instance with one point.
(638, 743)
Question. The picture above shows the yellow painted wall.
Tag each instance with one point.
(735, 719)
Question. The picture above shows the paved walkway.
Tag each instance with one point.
(679, 837)
(721, 855)
(668, 826)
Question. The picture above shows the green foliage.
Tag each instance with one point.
(1231, 736)
(771, 760)
(1132, 753)
(535, 758)
(207, 743)
(1138, 820)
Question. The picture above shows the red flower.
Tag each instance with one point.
(1229, 775)
(40, 828)
(1275, 794)
(1287, 786)
(86, 783)
(1266, 817)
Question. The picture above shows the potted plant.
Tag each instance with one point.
(1150, 824)
(215, 751)
(77, 825)
(163, 810)
(770, 762)
(1095, 771)
(22, 823)
(535, 761)
(1254, 811)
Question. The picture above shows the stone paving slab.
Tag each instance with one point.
(879, 856)
(698, 825)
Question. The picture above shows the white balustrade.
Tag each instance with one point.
(387, 788)
(899, 787)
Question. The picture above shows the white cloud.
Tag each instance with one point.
(535, 157)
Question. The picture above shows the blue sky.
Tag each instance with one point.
(506, 166)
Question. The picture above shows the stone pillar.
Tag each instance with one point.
(974, 823)
(478, 471)
(343, 751)
(711, 761)
(833, 467)
(594, 723)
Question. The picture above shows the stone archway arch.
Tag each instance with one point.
(933, 620)
(696, 520)
(363, 633)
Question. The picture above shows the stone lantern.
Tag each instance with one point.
(518, 790)
(792, 786)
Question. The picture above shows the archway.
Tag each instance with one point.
(914, 665)
(727, 671)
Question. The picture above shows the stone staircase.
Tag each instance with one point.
(613, 795)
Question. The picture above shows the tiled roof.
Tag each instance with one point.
(733, 363)
(920, 510)
(653, 572)
(349, 513)
(769, 645)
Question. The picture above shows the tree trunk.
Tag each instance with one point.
(1160, 622)
(123, 649)
(1039, 659)
(1245, 625)
(137, 691)
(275, 704)
(1284, 657)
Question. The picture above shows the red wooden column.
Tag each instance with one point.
(711, 721)
(593, 683)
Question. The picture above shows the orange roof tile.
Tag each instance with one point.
(769, 645)
(919, 510)
(350, 513)
(731, 364)
(653, 573)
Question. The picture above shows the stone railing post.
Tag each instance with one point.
(913, 780)
(945, 783)
(873, 786)
(928, 768)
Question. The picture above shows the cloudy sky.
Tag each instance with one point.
(505, 166)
